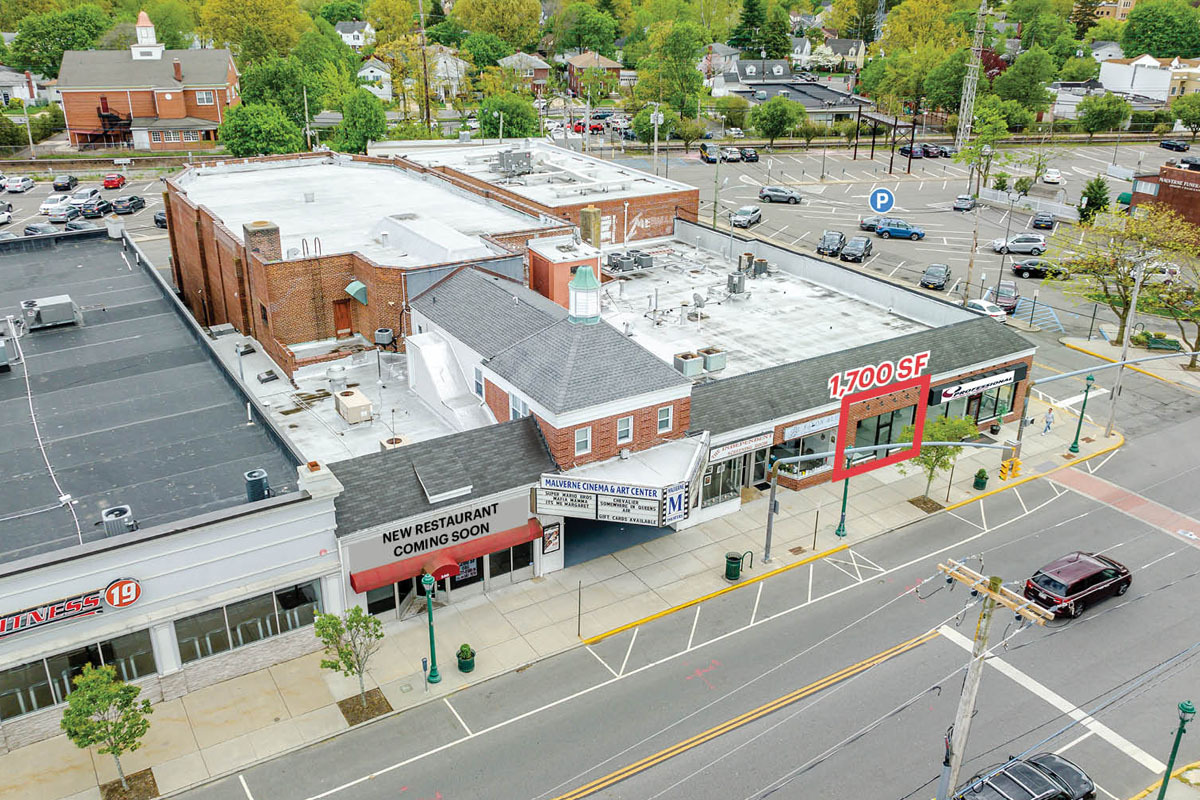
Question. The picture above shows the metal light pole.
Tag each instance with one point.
(841, 528)
(1012, 202)
(1116, 390)
(1186, 712)
(434, 675)
(1074, 448)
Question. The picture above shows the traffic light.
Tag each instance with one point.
(1015, 470)
(1005, 469)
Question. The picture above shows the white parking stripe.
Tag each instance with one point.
(1062, 704)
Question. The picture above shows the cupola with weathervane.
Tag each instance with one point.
(584, 297)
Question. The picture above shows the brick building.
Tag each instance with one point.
(1174, 187)
(577, 67)
(148, 98)
(533, 72)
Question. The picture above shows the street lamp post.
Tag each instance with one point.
(434, 675)
(1074, 448)
(1186, 712)
(841, 528)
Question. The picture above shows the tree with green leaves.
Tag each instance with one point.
(105, 713)
(775, 118)
(1026, 80)
(174, 23)
(1066, 46)
(434, 13)
(448, 32)
(935, 458)
(486, 49)
(1106, 29)
(1093, 200)
(1024, 11)
(747, 34)
(252, 129)
(668, 73)
(853, 19)
(848, 129)
(988, 129)
(281, 82)
(1102, 113)
(734, 109)
(1162, 28)
(777, 33)
(1179, 300)
(363, 122)
(688, 131)
(643, 125)
(1043, 30)
(514, 21)
(584, 27)
(943, 83)
(1079, 69)
(597, 84)
(1083, 16)
(43, 38)
(391, 18)
(350, 640)
(872, 75)
(520, 117)
(253, 29)
(1186, 108)
(337, 11)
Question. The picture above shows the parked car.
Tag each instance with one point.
(1079, 785)
(868, 223)
(964, 202)
(778, 194)
(82, 196)
(7, 235)
(1032, 243)
(915, 152)
(807, 76)
(65, 183)
(948, 150)
(5, 217)
(5, 205)
(39, 229)
(80, 225)
(160, 219)
(931, 150)
(1039, 268)
(857, 249)
(746, 216)
(1045, 776)
(987, 309)
(114, 181)
(95, 208)
(731, 154)
(831, 243)
(748, 154)
(1042, 220)
(128, 204)
(596, 127)
(602, 115)
(890, 227)
(65, 213)
(1069, 584)
(52, 202)
(21, 184)
(1052, 176)
(936, 276)
(1007, 295)
(578, 127)
(709, 153)
(1174, 144)
(628, 134)
(735, 133)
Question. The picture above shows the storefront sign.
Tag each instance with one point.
(742, 446)
(612, 502)
(948, 393)
(601, 487)
(677, 503)
(869, 376)
(566, 504)
(636, 510)
(801, 429)
(120, 593)
(551, 538)
(431, 532)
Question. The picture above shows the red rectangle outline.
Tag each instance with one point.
(840, 470)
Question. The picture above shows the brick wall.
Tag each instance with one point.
(561, 441)
(657, 214)
(80, 108)
(496, 399)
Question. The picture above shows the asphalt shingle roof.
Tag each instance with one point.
(112, 69)
(776, 392)
(383, 487)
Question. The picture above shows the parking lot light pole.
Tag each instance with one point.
(434, 675)
(1186, 712)
(1074, 448)
(840, 532)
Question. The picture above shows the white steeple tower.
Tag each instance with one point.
(146, 47)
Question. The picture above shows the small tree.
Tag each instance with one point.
(363, 121)
(1094, 199)
(252, 129)
(105, 711)
(350, 641)
(774, 118)
(1187, 109)
(520, 117)
(1022, 185)
(933, 459)
(809, 130)
(734, 109)
(689, 130)
(1179, 300)
(1102, 113)
(1000, 182)
(848, 128)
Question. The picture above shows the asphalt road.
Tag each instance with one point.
(743, 697)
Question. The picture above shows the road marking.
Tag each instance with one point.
(1156, 515)
(245, 788)
(1074, 742)
(1061, 703)
(629, 650)
(811, 568)
(969, 522)
(695, 620)
(897, 269)
(757, 597)
(733, 724)
(446, 700)
(602, 661)
(1155, 561)
(1070, 401)
(983, 516)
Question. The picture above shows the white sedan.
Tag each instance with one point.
(987, 309)
(1052, 176)
(53, 202)
(5, 217)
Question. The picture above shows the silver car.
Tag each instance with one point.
(746, 216)
(21, 184)
(65, 214)
(1032, 243)
(778, 194)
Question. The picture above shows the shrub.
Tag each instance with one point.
(1000, 182)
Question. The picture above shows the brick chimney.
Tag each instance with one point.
(262, 237)
(178, 69)
(30, 84)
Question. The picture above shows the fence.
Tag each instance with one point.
(1063, 211)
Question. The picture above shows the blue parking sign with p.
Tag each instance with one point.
(881, 200)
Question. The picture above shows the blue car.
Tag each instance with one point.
(898, 228)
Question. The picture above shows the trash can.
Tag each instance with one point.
(733, 566)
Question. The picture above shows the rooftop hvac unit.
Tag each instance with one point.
(760, 267)
(353, 406)
(118, 520)
(624, 263)
(45, 312)
(337, 378)
(736, 282)
(745, 260)
(384, 336)
(392, 443)
(690, 364)
(257, 485)
(517, 162)
(714, 358)
(643, 260)
(614, 259)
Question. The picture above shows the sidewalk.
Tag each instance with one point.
(227, 726)
(1166, 369)
(1184, 785)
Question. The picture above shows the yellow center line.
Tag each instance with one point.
(743, 719)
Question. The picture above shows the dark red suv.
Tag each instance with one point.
(1077, 580)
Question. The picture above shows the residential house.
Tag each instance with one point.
(821, 102)
(578, 65)
(147, 97)
(1069, 94)
(852, 52)
(801, 48)
(356, 33)
(1160, 78)
(376, 78)
(20, 85)
(1102, 51)
(717, 60)
(1114, 9)
(449, 75)
(533, 72)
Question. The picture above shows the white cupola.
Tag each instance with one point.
(146, 48)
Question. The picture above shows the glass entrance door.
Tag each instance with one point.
(973, 406)
(760, 465)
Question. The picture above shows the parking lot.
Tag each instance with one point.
(140, 224)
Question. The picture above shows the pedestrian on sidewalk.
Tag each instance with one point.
(1049, 420)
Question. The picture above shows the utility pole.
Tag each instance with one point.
(29, 133)
(971, 259)
(307, 127)
(966, 106)
(994, 593)
(1116, 390)
(424, 64)
(857, 131)
(716, 188)
(656, 117)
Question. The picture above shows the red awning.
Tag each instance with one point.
(443, 563)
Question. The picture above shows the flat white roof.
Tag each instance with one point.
(393, 217)
(562, 248)
(779, 319)
(559, 177)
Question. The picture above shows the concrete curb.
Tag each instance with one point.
(1063, 341)
(1154, 786)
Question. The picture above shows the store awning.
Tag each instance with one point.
(444, 563)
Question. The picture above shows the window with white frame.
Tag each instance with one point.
(170, 136)
(479, 381)
(624, 430)
(664, 419)
(191, 136)
(583, 441)
(205, 98)
(517, 407)
(155, 136)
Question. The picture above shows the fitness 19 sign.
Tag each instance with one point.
(868, 382)
(121, 593)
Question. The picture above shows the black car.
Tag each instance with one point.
(80, 225)
(1039, 268)
(65, 183)
(1043, 220)
(128, 204)
(39, 228)
(915, 152)
(160, 219)
(936, 276)
(1044, 776)
(95, 208)
(749, 154)
(831, 243)
(857, 249)
(1174, 144)
(868, 223)
(931, 150)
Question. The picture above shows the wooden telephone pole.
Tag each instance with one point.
(994, 593)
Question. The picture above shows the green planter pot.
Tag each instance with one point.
(466, 664)
(980, 483)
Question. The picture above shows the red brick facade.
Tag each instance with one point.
(604, 434)
(497, 400)
(1178, 189)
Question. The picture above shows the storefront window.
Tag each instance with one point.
(251, 620)
(131, 655)
(882, 429)
(298, 606)
(24, 689)
(722, 481)
(65, 666)
(381, 599)
(202, 635)
(818, 442)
